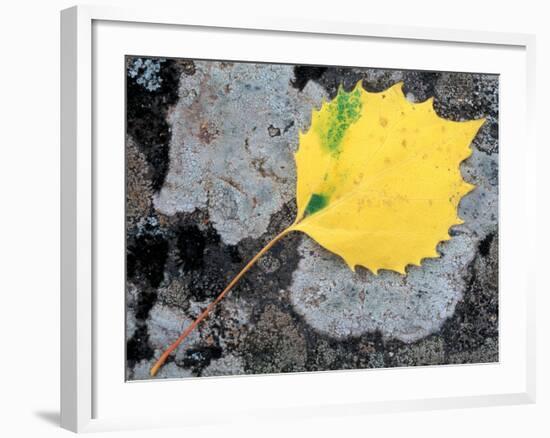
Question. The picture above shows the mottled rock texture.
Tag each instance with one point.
(211, 178)
(224, 158)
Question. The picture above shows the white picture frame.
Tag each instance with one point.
(85, 386)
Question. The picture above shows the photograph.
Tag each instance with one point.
(289, 218)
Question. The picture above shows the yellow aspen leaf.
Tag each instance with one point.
(378, 178)
(378, 183)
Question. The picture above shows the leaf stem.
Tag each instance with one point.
(204, 314)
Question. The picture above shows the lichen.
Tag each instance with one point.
(223, 154)
(145, 72)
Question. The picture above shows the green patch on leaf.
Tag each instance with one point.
(345, 111)
(316, 202)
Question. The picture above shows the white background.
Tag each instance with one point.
(29, 327)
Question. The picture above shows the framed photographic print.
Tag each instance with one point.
(334, 214)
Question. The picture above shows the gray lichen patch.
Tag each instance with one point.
(165, 324)
(341, 303)
(226, 366)
(479, 209)
(225, 154)
(145, 72)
